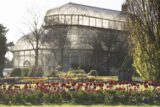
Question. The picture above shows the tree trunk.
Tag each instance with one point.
(61, 55)
(37, 52)
(108, 59)
(62, 52)
(36, 58)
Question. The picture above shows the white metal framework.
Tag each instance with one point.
(84, 22)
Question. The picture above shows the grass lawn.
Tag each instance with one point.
(72, 105)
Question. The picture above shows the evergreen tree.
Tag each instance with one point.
(3, 47)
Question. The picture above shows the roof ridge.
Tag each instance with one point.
(91, 6)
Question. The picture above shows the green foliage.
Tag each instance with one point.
(146, 58)
(36, 72)
(144, 32)
(20, 72)
(75, 73)
(52, 73)
(93, 73)
(80, 97)
(3, 47)
(17, 72)
(86, 67)
(25, 71)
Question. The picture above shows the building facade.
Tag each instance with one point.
(78, 35)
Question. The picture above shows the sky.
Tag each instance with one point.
(14, 14)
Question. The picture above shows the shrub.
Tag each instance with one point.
(81, 97)
(25, 71)
(35, 97)
(61, 74)
(16, 72)
(93, 73)
(52, 73)
(36, 72)
(75, 73)
(86, 68)
(74, 66)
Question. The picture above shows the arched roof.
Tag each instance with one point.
(72, 8)
(27, 42)
(24, 43)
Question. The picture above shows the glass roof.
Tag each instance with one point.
(72, 8)
(24, 43)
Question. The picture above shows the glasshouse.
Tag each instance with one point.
(77, 36)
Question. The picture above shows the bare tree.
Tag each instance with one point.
(115, 46)
(36, 35)
(58, 41)
(109, 48)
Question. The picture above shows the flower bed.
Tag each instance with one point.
(21, 80)
(110, 92)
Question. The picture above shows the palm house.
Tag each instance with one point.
(77, 36)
